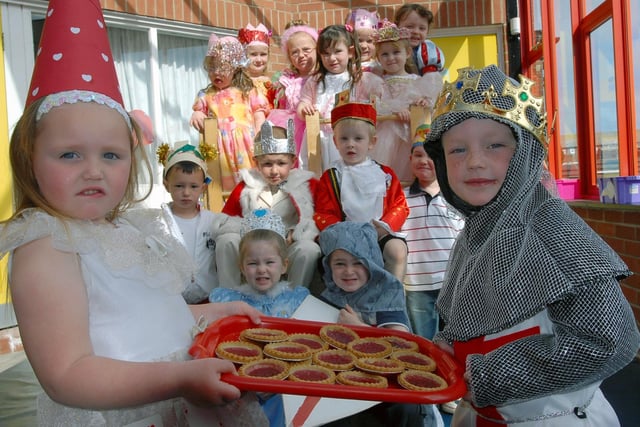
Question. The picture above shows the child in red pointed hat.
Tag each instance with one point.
(95, 286)
(359, 189)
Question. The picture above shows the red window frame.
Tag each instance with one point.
(583, 24)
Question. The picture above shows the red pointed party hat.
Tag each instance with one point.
(74, 52)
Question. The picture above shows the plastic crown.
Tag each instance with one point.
(389, 32)
(452, 99)
(270, 145)
(263, 219)
(362, 19)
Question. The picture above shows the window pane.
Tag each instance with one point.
(566, 123)
(131, 57)
(182, 76)
(604, 108)
(589, 5)
(537, 23)
(635, 34)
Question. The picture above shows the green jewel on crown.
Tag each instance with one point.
(451, 100)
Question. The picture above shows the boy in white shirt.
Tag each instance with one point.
(185, 178)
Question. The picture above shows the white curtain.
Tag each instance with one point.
(181, 77)
(180, 60)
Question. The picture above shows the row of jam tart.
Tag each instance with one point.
(301, 346)
(336, 336)
(275, 369)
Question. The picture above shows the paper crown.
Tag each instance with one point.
(225, 54)
(362, 19)
(74, 61)
(184, 153)
(263, 219)
(254, 35)
(430, 57)
(344, 109)
(267, 144)
(474, 91)
(389, 32)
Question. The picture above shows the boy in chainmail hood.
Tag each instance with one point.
(531, 300)
(378, 297)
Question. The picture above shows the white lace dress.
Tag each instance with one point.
(394, 137)
(134, 273)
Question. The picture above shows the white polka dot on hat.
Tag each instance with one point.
(75, 55)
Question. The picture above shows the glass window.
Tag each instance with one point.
(565, 126)
(589, 5)
(181, 77)
(635, 47)
(604, 101)
(537, 24)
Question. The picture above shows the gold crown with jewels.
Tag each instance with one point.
(512, 104)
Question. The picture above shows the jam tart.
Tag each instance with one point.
(239, 351)
(380, 366)
(370, 347)
(287, 350)
(263, 335)
(361, 379)
(314, 342)
(414, 360)
(338, 336)
(421, 381)
(399, 343)
(268, 369)
(336, 359)
(312, 374)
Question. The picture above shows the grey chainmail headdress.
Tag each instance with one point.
(523, 252)
(383, 291)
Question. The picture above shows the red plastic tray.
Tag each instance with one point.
(229, 328)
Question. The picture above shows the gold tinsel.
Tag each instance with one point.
(163, 153)
(208, 151)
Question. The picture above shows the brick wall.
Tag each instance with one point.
(276, 13)
(619, 226)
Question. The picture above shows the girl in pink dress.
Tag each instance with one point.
(299, 44)
(338, 69)
(402, 89)
(233, 99)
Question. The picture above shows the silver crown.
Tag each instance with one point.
(263, 219)
(267, 144)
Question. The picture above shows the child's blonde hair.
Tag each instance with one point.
(350, 121)
(26, 190)
(262, 235)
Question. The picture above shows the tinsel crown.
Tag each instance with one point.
(515, 104)
(250, 34)
(389, 32)
(267, 144)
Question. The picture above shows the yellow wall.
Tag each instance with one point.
(6, 197)
(469, 50)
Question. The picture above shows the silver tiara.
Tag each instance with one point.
(263, 219)
(270, 145)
